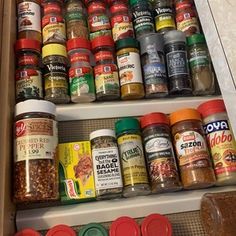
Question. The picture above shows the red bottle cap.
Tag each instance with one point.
(78, 43)
(102, 41)
(124, 226)
(27, 44)
(61, 230)
(119, 7)
(154, 118)
(27, 232)
(211, 107)
(51, 7)
(156, 224)
(96, 7)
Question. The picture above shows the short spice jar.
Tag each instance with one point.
(35, 152)
(130, 72)
(191, 149)
(55, 73)
(220, 139)
(28, 74)
(159, 152)
(106, 164)
(132, 157)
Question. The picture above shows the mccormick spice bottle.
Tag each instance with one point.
(220, 140)
(191, 149)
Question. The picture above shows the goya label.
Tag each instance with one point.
(164, 18)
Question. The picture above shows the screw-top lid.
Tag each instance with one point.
(27, 44)
(33, 105)
(127, 42)
(184, 114)
(124, 226)
(27, 232)
(154, 118)
(126, 124)
(118, 7)
(93, 229)
(78, 43)
(54, 49)
(61, 230)
(196, 38)
(156, 224)
(174, 36)
(102, 41)
(102, 132)
(52, 7)
(212, 107)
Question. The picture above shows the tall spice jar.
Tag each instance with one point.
(36, 162)
(132, 157)
(220, 140)
(191, 149)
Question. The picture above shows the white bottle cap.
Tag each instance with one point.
(102, 132)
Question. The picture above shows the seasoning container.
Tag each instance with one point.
(177, 63)
(55, 73)
(153, 65)
(162, 168)
(130, 72)
(53, 24)
(105, 71)
(28, 74)
(121, 21)
(132, 157)
(27, 232)
(142, 17)
(203, 77)
(106, 164)
(163, 15)
(29, 19)
(93, 229)
(220, 139)
(191, 149)
(61, 230)
(81, 78)
(35, 163)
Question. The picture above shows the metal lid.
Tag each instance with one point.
(174, 36)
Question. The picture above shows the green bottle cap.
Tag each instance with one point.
(126, 43)
(93, 229)
(126, 124)
(196, 38)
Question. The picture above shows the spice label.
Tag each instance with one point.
(199, 58)
(29, 16)
(104, 55)
(99, 22)
(76, 16)
(107, 170)
(133, 162)
(54, 68)
(35, 138)
(188, 24)
(129, 68)
(164, 18)
(80, 57)
(222, 145)
(191, 150)
(28, 60)
(55, 81)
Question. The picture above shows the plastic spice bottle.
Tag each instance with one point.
(153, 65)
(162, 168)
(132, 157)
(130, 72)
(177, 63)
(27, 232)
(60, 230)
(105, 71)
(191, 149)
(93, 229)
(106, 164)
(36, 140)
(81, 78)
(203, 77)
(29, 19)
(28, 73)
(55, 73)
(220, 140)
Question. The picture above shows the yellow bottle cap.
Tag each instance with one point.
(54, 49)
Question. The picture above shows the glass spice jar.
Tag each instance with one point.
(191, 149)
(36, 163)
(132, 157)
(130, 72)
(106, 164)
(162, 168)
(105, 71)
(55, 73)
(203, 77)
(28, 74)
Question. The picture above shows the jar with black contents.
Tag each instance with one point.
(177, 63)
(55, 73)
(159, 152)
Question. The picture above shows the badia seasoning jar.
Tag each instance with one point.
(191, 149)
(220, 140)
(36, 161)
(159, 152)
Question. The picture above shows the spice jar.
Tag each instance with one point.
(36, 164)
(162, 168)
(81, 78)
(164, 16)
(53, 24)
(132, 157)
(29, 19)
(191, 149)
(106, 164)
(28, 74)
(203, 77)
(153, 65)
(220, 140)
(177, 63)
(105, 71)
(55, 73)
(130, 73)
